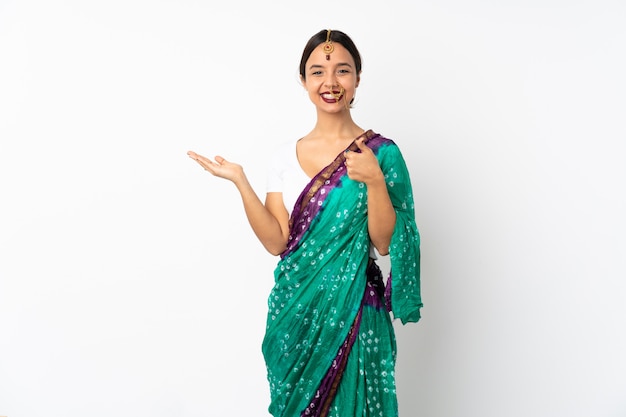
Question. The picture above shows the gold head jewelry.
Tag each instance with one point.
(328, 46)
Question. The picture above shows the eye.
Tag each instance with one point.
(316, 73)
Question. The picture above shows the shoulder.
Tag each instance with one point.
(283, 150)
(285, 146)
(378, 143)
(387, 152)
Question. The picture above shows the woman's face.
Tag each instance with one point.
(331, 83)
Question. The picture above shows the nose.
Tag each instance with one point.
(330, 81)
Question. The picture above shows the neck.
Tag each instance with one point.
(338, 126)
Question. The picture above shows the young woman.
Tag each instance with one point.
(333, 197)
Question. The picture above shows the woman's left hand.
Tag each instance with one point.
(363, 166)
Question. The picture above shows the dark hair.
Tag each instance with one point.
(335, 36)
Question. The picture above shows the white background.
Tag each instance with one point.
(131, 284)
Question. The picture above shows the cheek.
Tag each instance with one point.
(313, 87)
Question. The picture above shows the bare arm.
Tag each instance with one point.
(381, 216)
(268, 221)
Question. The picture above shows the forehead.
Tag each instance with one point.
(339, 55)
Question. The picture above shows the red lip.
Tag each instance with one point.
(334, 99)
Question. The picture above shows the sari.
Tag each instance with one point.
(329, 346)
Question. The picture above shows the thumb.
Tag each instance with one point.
(360, 143)
(220, 160)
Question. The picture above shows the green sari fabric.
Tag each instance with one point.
(329, 347)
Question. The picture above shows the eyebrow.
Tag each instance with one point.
(340, 64)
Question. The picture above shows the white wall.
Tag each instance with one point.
(130, 284)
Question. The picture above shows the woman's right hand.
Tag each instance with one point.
(220, 167)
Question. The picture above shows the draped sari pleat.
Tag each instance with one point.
(329, 345)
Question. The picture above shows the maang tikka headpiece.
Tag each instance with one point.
(328, 46)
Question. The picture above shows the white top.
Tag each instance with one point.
(285, 175)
